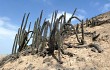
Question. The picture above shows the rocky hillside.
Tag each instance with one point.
(2, 56)
(84, 58)
(104, 16)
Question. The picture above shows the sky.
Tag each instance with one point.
(12, 11)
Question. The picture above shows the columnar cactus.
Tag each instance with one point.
(15, 44)
(53, 30)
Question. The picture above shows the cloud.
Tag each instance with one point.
(80, 14)
(97, 3)
(106, 7)
(68, 15)
(7, 34)
(82, 11)
(6, 28)
(48, 2)
(94, 3)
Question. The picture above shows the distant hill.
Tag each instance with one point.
(103, 16)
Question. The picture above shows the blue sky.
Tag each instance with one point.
(11, 13)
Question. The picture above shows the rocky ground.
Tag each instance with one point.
(2, 56)
(83, 58)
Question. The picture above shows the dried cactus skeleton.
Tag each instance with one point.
(44, 41)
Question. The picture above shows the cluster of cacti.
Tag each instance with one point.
(21, 38)
(48, 37)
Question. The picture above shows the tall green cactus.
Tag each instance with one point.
(22, 34)
(74, 12)
(37, 36)
(35, 30)
(44, 35)
(77, 28)
(15, 44)
(82, 30)
(45, 27)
